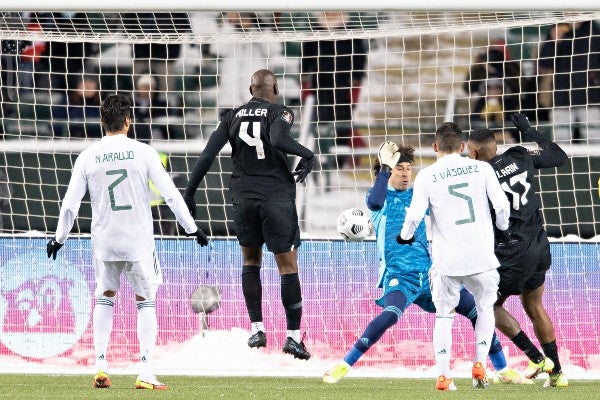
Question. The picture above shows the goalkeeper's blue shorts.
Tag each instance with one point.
(414, 285)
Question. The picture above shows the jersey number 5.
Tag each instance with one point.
(467, 198)
(111, 189)
(253, 141)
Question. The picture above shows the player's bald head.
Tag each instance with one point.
(482, 145)
(263, 84)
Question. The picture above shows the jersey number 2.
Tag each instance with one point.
(111, 189)
(253, 141)
(467, 198)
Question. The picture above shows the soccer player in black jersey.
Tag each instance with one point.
(263, 193)
(525, 255)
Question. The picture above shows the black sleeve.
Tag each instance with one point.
(217, 140)
(279, 136)
(550, 154)
(378, 193)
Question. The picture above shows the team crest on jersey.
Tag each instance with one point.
(287, 117)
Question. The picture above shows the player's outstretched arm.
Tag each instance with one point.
(217, 140)
(550, 154)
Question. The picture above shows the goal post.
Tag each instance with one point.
(184, 66)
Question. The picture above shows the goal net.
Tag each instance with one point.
(353, 80)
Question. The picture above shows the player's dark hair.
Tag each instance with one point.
(406, 153)
(448, 137)
(482, 136)
(114, 110)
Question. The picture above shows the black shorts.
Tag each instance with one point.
(523, 264)
(264, 221)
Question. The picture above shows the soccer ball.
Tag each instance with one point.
(354, 224)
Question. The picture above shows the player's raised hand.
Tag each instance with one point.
(305, 165)
(388, 154)
(520, 121)
(201, 238)
(190, 203)
(52, 248)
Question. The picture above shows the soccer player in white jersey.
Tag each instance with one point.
(457, 192)
(115, 171)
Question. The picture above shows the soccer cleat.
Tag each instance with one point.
(298, 350)
(336, 373)
(101, 380)
(259, 339)
(445, 384)
(556, 380)
(534, 369)
(149, 383)
(480, 380)
(508, 375)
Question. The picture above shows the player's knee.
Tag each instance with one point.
(109, 293)
(390, 315)
(445, 309)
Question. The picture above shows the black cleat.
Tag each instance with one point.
(259, 339)
(298, 350)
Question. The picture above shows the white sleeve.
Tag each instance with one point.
(165, 186)
(72, 200)
(497, 198)
(416, 211)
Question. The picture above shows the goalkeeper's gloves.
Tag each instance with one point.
(520, 121)
(201, 238)
(190, 203)
(409, 242)
(52, 248)
(303, 168)
(388, 154)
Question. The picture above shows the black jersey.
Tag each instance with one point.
(516, 169)
(259, 135)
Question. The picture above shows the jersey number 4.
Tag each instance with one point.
(253, 141)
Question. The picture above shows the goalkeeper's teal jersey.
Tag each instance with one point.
(395, 258)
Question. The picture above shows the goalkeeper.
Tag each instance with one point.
(404, 269)
(524, 260)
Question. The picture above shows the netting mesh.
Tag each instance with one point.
(408, 72)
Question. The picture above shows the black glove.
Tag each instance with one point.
(52, 248)
(409, 242)
(201, 238)
(303, 168)
(191, 204)
(520, 121)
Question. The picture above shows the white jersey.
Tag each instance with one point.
(115, 171)
(456, 190)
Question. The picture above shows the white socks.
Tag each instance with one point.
(257, 327)
(147, 330)
(442, 343)
(295, 335)
(484, 331)
(102, 328)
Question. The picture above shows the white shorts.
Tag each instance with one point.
(144, 276)
(445, 290)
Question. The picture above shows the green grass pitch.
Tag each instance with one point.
(67, 387)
